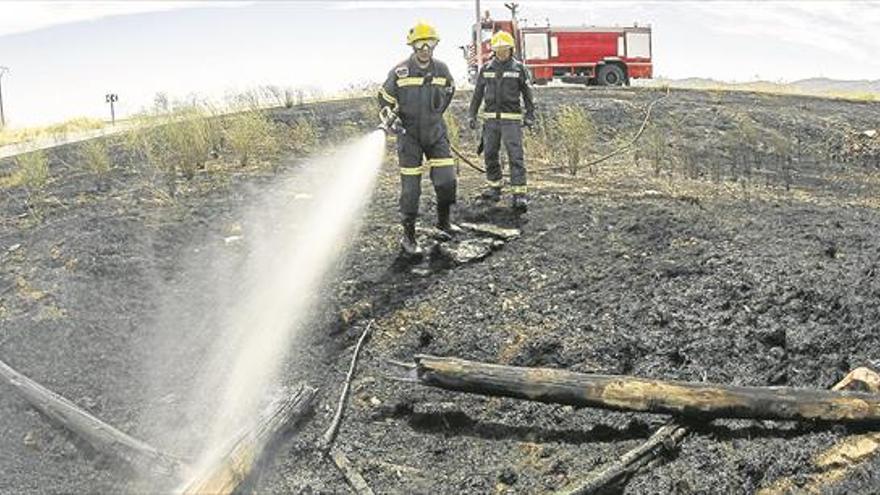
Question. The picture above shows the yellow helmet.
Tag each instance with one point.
(501, 38)
(421, 31)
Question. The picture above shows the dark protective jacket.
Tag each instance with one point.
(501, 84)
(419, 96)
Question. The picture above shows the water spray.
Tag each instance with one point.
(292, 242)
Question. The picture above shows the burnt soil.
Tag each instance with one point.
(686, 262)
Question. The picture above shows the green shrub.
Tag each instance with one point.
(575, 133)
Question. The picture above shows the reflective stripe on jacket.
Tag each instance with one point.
(419, 96)
(500, 85)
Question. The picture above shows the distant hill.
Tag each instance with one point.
(862, 89)
(824, 84)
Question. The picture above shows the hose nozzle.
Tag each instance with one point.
(390, 122)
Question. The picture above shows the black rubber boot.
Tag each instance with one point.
(408, 242)
(491, 195)
(444, 224)
(520, 203)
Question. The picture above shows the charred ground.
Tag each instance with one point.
(738, 244)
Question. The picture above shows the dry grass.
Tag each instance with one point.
(303, 136)
(396, 324)
(31, 171)
(623, 178)
(250, 136)
(55, 131)
(453, 129)
(93, 153)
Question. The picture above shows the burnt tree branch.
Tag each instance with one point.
(327, 438)
(629, 393)
(100, 435)
(241, 454)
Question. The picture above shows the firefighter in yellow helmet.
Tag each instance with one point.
(500, 84)
(414, 96)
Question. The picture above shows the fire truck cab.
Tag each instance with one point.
(607, 56)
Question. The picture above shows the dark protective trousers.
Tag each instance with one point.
(496, 131)
(440, 165)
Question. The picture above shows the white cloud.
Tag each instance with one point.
(20, 17)
(845, 28)
(390, 4)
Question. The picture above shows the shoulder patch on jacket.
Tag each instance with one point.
(402, 71)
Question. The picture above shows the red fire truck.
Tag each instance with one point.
(608, 56)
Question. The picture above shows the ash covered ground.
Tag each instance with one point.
(738, 245)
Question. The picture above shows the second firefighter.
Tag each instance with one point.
(501, 83)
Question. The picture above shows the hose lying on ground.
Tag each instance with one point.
(601, 159)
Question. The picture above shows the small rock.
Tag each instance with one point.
(421, 272)
(508, 476)
(30, 440)
(436, 408)
(375, 402)
(233, 238)
(425, 339)
(13, 248)
(468, 251)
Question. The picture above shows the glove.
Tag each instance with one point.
(472, 123)
(390, 122)
(529, 122)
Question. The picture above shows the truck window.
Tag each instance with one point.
(536, 46)
(638, 45)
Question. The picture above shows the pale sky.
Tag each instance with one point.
(64, 56)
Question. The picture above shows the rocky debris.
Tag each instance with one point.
(863, 146)
(469, 250)
(436, 408)
(501, 233)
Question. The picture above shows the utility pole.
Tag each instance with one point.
(112, 98)
(478, 38)
(512, 7)
(3, 70)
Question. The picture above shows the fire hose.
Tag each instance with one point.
(601, 159)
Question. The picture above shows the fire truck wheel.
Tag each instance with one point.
(611, 75)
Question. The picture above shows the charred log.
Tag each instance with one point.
(101, 436)
(242, 453)
(629, 393)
